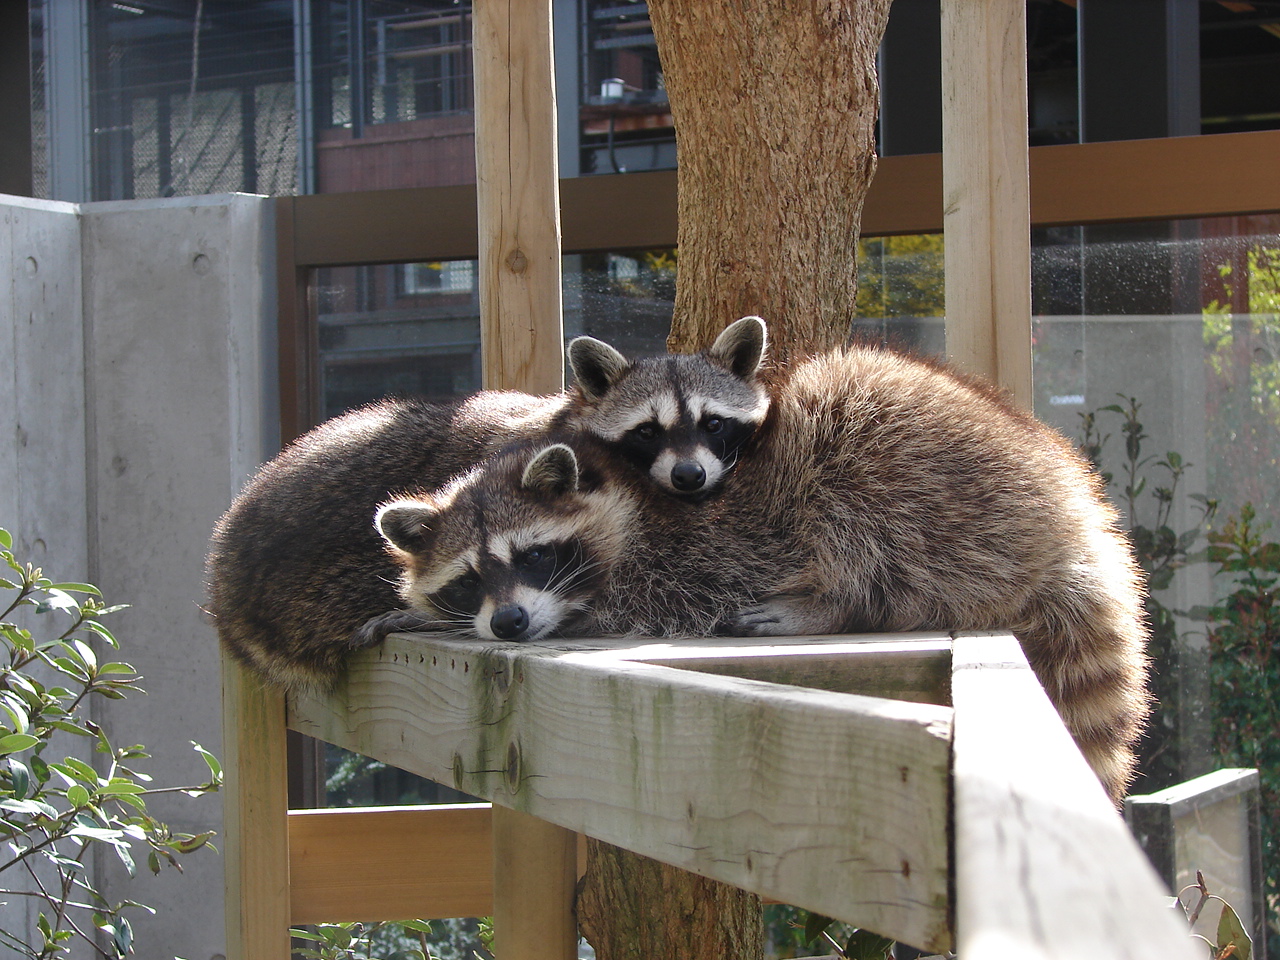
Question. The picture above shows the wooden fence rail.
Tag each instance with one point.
(919, 785)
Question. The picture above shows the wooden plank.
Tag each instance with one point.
(830, 801)
(517, 196)
(915, 667)
(390, 863)
(986, 194)
(534, 879)
(255, 806)
(1045, 867)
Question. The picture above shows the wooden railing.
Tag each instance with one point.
(918, 785)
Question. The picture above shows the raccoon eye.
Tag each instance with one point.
(534, 556)
(713, 424)
(648, 432)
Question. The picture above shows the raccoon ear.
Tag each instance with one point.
(741, 347)
(552, 471)
(406, 523)
(596, 366)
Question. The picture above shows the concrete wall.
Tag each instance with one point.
(143, 372)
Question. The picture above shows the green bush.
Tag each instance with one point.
(1244, 670)
(55, 811)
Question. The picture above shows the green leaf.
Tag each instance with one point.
(32, 807)
(78, 795)
(110, 668)
(81, 770)
(17, 741)
(6, 539)
(77, 588)
(86, 654)
(117, 785)
(865, 945)
(71, 728)
(814, 924)
(20, 777)
(210, 760)
(1231, 930)
(191, 844)
(58, 600)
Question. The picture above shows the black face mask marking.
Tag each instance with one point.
(461, 597)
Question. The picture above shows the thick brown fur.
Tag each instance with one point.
(882, 492)
(296, 567)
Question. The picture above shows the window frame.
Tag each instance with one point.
(1176, 178)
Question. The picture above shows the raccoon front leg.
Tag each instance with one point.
(787, 615)
(374, 630)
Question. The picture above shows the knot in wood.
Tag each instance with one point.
(517, 262)
(513, 767)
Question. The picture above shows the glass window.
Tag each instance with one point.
(1158, 346)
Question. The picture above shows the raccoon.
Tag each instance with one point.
(296, 567)
(882, 492)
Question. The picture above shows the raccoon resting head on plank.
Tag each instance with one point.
(882, 492)
(295, 565)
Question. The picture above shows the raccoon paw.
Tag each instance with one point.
(784, 615)
(760, 620)
(374, 630)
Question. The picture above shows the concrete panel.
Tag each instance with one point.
(42, 451)
(181, 370)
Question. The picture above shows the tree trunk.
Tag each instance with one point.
(634, 908)
(775, 106)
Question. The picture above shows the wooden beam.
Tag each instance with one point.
(1076, 183)
(910, 667)
(255, 806)
(712, 774)
(1045, 867)
(390, 863)
(522, 348)
(534, 879)
(986, 194)
(517, 196)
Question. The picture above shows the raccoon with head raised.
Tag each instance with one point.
(882, 492)
(295, 566)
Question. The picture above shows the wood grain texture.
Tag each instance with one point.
(517, 196)
(255, 806)
(390, 863)
(708, 773)
(1045, 867)
(986, 193)
(534, 875)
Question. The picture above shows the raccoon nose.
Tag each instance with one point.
(509, 622)
(687, 476)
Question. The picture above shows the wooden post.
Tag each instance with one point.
(1044, 866)
(255, 803)
(986, 198)
(535, 870)
(517, 196)
(522, 342)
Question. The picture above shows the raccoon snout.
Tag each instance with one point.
(509, 622)
(688, 476)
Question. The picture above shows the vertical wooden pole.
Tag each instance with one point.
(535, 870)
(522, 342)
(518, 196)
(987, 207)
(255, 804)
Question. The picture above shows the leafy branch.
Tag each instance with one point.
(55, 812)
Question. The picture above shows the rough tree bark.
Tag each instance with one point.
(775, 105)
